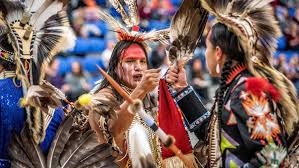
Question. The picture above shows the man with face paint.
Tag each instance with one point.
(129, 67)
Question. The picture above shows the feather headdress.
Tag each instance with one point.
(254, 23)
(186, 29)
(130, 31)
(37, 30)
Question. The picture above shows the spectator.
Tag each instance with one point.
(52, 74)
(281, 64)
(199, 83)
(76, 82)
(293, 36)
(293, 73)
(158, 55)
(107, 53)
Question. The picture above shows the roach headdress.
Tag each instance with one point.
(254, 23)
(130, 30)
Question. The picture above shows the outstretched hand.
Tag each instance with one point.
(150, 80)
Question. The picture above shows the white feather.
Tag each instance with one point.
(68, 41)
(259, 4)
(14, 15)
(34, 5)
(52, 9)
(139, 146)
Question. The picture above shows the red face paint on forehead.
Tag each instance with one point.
(134, 51)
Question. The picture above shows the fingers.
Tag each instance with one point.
(153, 70)
(173, 69)
(152, 73)
(172, 75)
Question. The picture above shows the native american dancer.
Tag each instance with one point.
(128, 65)
(23, 50)
(256, 110)
(31, 33)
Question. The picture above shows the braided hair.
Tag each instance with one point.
(229, 43)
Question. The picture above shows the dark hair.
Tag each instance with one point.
(230, 45)
(80, 66)
(115, 58)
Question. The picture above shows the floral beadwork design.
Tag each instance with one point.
(262, 123)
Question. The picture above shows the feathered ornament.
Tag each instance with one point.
(186, 29)
(3, 26)
(70, 148)
(37, 31)
(44, 96)
(130, 31)
(41, 100)
(140, 152)
(104, 104)
(101, 104)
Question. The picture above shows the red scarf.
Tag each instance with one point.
(171, 121)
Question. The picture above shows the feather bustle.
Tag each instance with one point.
(62, 136)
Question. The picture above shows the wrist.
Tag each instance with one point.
(139, 93)
(180, 87)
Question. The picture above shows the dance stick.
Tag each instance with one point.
(167, 140)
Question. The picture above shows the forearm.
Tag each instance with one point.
(124, 117)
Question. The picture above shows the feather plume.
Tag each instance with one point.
(62, 136)
(38, 20)
(140, 151)
(160, 35)
(17, 149)
(104, 104)
(44, 96)
(186, 29)
(84, 145)
(247, 19)
(32, 6)
(70, 148)
(28, 150)
(41, 99)
(119, 8)
(14, 10)
(132, 4)
(3, 26)
(115, 25)
(98, 154)
(49, 41)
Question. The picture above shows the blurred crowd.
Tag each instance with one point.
(75, 72)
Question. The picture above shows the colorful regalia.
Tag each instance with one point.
(13, 116)
(36, 32)
(143, 149)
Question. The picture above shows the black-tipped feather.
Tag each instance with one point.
(186, 29)
(62, 137)
(32, 150)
